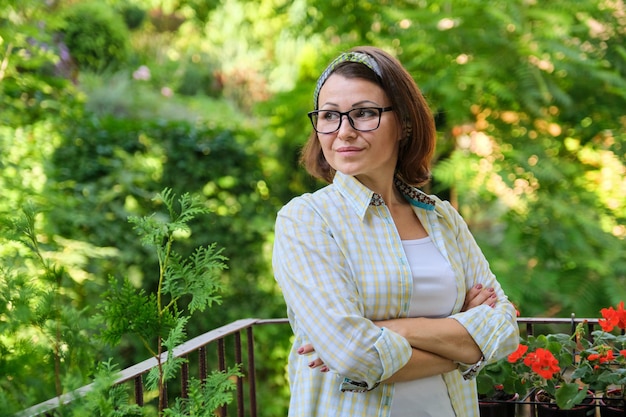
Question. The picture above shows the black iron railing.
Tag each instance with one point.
(240, 336)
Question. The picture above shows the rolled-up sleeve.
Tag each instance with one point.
(493, 331)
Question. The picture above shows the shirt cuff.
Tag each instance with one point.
(356, 386)
(469, 371)
(394, 352)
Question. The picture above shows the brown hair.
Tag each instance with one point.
(410, 108)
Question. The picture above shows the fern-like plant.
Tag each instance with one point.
(46, 336)
(159, 319)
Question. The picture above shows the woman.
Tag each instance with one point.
(393, 305)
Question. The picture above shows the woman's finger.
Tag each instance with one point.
(479, 295)
(306, 349)
(316, 363)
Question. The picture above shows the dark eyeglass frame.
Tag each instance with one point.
(313, 115)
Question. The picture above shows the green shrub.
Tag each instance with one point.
(105, 169)
(47, 342)
(198, 78)
(96, 36)
(133, 15)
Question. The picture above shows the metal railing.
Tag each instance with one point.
(244, 355)
(237, 331)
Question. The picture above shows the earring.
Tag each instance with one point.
(408, 131)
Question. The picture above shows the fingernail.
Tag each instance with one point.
(301, 350)
(311, 364)
(491, 290)
(324, 369)
(479, 286)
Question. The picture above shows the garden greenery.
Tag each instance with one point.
(96, 36)
(159, 319)
(210, 98)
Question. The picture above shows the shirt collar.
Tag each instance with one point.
(361, 197)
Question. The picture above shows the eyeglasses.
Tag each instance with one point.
(363, 119)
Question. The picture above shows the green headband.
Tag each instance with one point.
(359, 57)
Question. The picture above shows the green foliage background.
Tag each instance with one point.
(209, 98)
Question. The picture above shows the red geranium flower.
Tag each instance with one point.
(542, 362)
(602, 358)
(612, 317)
(518, 354)
(621, 313)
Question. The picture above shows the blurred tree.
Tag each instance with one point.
(96, 36)
(35, 68)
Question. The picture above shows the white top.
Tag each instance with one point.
(434, 294)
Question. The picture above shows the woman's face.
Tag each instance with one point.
(369, 156)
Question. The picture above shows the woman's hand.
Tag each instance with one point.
(315, 363)
(479, 295)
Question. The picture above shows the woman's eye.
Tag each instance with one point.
(329, 115)
(365, 113)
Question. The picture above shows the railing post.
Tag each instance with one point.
(221, 356)
(184, 376)
(590, 329)
(240, 401)
(221, 359)
(139, 390)
(202, 363)
(251, 373)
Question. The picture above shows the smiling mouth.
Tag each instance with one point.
(348, 150)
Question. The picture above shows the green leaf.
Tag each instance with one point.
(127, 310)
(569, 395)
(206, 396)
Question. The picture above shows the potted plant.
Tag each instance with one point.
(603, 363)
(560, 373)
(545, 366)
(540, 368)
(498, 390)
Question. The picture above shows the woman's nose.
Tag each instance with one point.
(345, 127)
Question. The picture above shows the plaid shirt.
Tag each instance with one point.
(340, 263)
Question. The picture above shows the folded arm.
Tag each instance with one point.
(422, 364)
(438, 344)
(444, 337)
